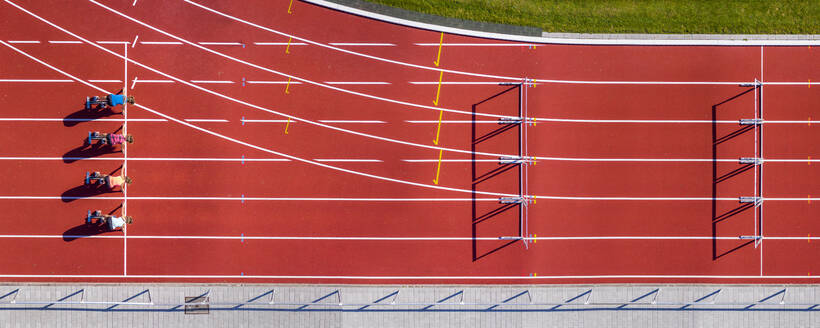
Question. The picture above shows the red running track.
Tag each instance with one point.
(650, 197)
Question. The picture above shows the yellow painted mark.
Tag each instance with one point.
(438, 90)
(809, 160)
(808, 198)
(535, 160)
(809, 238)
(535, 238)
(438, 130)
(534, 199)
(438, 56)
(534, 83)
(290, 6)
(287, 87)
(287, 126)
(438, 169)
(287, 49)
(809, 83)
(535, 274)
(534, 121)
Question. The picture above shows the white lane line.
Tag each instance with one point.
(355, 83)
(368, 238)
(364, 44)
(581, 159)
(105, 81)
(35, 119)
(279, 43)
(156, 159)
(64, 42)
(155, 81)
(134, 43)
(273, 82)
(347, 160)
(211, 82)
(134, 4)
(454, 83)
(271, 199)
(476, 44)
(351, 121)
(410, 277)
(112, 42)
(454, 121)
(134, 83)
(31, 80)
(222, 136)
(12, 42)
(220, 43)
(176, 43)
(204, 120)
(268, 121)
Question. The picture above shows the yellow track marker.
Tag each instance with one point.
(534, 83)
(287, 87)
(438, 130)
(438, 169)
(290, 6)
(809, 83)
(438, 90)
(808, 238)
(535, 274)
(438, 57)
(808, 198)
(809, 161)
(287, 49)
(535, 238)
(534, 199)
(809, 121)
(534, 121)
(287, 125)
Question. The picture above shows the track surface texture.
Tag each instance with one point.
(280, 141)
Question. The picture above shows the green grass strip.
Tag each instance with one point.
(633, 16)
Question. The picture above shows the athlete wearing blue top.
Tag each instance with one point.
(110, 100)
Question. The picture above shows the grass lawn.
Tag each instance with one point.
(633, 16)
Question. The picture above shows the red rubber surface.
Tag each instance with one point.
(27, 257)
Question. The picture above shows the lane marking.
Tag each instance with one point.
(220, 43)
(134, 4)
(355, 83)
(438, 56)
(104, 81)
(454, 83)
(266, 121)
(363, 44)
(156, 81)
(175, 43)
(442, 44)
(438, 129)
(156, 159)
(280, 43)
(283, 199)
(13, 42)
(134, 44)
(290, 6)
(454, 122)
(347, 160)
(350, 121)
(64, 42)
(408, 277)
(112, 42)
(287, 87)
(205, 120)
(287, 125)
(438, 168)
(134, 83)
(273, 82)
(287, 49)
(41, 80)
(211, 82)
(438, 90)
(36, 119)
(388, 238)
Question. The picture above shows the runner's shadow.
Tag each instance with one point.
(84, 230)
(87, 151)
(84, 115)
(83, 191)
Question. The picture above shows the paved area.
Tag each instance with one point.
(137, 305)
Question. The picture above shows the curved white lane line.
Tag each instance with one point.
(294, 277)
(406, 143)
(299, 159)
(360, 94)
(367, 238)
(499, 77)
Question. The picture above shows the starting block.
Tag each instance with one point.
(750, 199)
(91, 177)
(96, 136)
(95, 100)
(93, 215)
